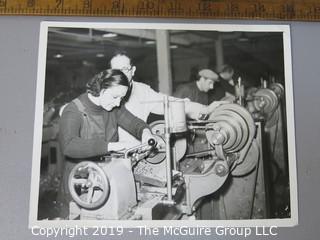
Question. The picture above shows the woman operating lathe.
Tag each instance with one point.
(88, 125)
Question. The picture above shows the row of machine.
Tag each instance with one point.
(209, 169)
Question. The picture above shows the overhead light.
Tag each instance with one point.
(150, 42)
(173, 46)
(58, 55)
(109, 35)
(243, 38)
(100, 55)
(86, 63)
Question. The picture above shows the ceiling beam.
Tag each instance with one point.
(148, 34)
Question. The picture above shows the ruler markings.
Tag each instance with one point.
(241, 9)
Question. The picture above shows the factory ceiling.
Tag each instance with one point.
(255, 52)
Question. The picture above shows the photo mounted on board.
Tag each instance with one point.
(169, 122)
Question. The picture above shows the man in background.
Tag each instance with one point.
(197, 91)
(226, 85)
(143, 100)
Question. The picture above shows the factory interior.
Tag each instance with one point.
(246, 176)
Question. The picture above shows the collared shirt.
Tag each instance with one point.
(142, 101)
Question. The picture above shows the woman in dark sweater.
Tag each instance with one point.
(89, 124)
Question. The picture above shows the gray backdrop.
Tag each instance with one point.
(19, 37)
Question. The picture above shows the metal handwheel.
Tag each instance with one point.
(88, 185)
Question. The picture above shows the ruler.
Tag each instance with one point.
(304, 10)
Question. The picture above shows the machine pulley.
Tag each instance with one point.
(232, 127)
(231, 134)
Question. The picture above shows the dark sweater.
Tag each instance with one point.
(191, 91)
(74, 146)
(220, 89)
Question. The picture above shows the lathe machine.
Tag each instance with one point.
(160, 180)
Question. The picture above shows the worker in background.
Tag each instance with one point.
(143, 100)
(197, 91)
(225, 88)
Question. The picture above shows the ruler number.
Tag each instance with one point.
(175, 6)
(87, 4)
(316, 10)
(259, 8)
(31, 3)
(146, 5)
(205, 6)
(289, 9)
(3, 3)
(115, 5)
(233, 8)
(59, 3)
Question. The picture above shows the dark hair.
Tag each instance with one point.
(105, 80)
(226, 69)
(198, 77)
(119, 52)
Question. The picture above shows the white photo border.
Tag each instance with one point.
(37, 137)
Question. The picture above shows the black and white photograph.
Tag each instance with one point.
(189, 123)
